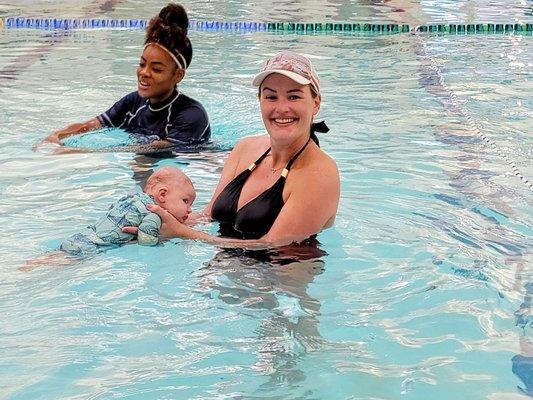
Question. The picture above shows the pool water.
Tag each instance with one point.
(422, 289)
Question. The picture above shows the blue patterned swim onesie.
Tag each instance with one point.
(107, 232)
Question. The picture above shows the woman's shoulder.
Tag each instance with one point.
(188, 111)
(255, 142)
(318, 170)
(184, 101)
(320, 160)
(248, 149)
(130, 100)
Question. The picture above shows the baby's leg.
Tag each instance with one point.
(71, 251)
(51, 259)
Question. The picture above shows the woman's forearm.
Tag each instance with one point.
(73, 129)
(172, 228)
(186, 232)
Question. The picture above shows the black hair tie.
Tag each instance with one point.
(318, 127)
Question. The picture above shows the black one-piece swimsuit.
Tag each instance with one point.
(256, 217)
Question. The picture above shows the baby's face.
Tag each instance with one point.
(179, 200)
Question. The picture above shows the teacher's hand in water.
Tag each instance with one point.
(170, 227)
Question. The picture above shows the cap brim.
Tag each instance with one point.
(260, 77)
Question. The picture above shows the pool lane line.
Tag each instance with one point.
(470, 120)
(280, 27)
(19, 64)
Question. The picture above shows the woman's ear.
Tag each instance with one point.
(316, 105)
(179, 74)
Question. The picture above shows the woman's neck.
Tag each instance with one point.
(283, 152)
(158, 102)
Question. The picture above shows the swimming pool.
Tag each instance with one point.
(423, 291)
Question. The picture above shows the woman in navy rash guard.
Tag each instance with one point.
(158, 114)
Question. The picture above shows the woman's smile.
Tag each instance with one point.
(143, 85)
(284, 122)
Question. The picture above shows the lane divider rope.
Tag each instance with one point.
(282, 27)
(470, 120)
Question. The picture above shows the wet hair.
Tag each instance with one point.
(169, 29)
(166, 175)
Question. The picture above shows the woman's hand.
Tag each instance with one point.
(53, 138)
(55, 149)
(170, 227)
(50, 142)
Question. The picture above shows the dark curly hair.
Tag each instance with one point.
(169, 29)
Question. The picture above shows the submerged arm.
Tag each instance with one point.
(74, 129)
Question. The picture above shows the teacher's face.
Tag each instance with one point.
(287, 107)
(157, 74)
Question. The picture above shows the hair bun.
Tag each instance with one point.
(169, 29)
(175, 14)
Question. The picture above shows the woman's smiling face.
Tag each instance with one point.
(157, 74)
(287, 107)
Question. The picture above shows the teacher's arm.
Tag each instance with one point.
(74, 129)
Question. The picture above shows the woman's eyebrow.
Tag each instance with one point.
(288, 91)
(153, 62)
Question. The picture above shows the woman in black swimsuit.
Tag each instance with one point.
(157, 112)
(278, 188)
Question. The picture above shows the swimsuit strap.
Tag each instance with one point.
(285, 170)
(288, 167)
(319, 127)
(254, 164)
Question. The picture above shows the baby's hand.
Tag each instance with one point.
(130, 229)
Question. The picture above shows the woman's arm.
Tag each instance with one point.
(74, 129)
(172, 228)
(152, 147)
(311, 206)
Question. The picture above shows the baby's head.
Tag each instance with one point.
(172, 190)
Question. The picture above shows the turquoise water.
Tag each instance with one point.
(422, 292)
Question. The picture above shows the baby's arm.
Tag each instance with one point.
(149, 230)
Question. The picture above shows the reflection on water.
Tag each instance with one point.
(471, 181)
(272, 286)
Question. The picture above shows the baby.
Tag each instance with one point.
(167, 187)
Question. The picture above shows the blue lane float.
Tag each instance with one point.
(280, 27)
